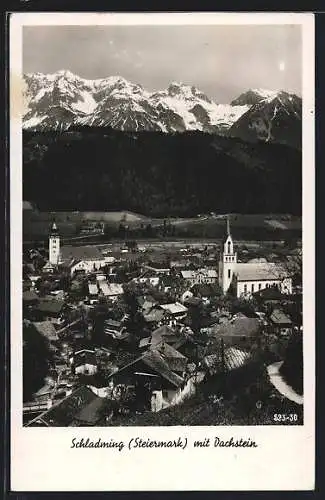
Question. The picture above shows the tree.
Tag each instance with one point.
(293, 266)
(37, 359)
(292, 367)
(136, 322)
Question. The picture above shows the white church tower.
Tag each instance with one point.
(54, 245)
(227, 262)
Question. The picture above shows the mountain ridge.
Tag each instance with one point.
(60, 100)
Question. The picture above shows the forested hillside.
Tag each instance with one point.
(159, 174)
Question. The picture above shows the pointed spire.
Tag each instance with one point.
(228, 226)
(54, 228)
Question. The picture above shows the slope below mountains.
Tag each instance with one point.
(158, 174)
(61, 100)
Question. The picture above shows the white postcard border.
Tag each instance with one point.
(42, 459)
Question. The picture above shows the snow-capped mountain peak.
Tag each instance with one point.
(62, 99)
(265, 93)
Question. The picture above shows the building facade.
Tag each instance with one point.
(248, 278)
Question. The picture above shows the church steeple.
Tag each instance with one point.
(54, 245)
(228, 260)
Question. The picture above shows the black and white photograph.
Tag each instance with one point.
(162, 221)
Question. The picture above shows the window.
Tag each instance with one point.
(252, 287)
(229, 247)
(245, 288)
(259, 286)
(229, 273)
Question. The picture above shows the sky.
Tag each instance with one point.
(222, 61)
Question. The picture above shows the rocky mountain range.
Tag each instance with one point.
(60, 100)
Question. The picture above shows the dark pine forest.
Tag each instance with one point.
(158, 174)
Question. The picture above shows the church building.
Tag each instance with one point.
(85, 258)
(248, 278)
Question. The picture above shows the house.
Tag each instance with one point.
(162, 334)
(154, 317)
(175, 311)
(221, 362)
(47, 330)
(280, 322)
(157, 268)
(270, 295)
(192, 301)
(112, 327)
(248, 278)
(200, 276)
(51, 309)
(30, 301)
(239, 331)
(116, 333)
(81, 408)
(147, 304)
(110, 291)
(149, 277)
(178, 340)
(176, 360)
(157, 385)
(84, 362)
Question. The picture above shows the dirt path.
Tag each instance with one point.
(280, 384)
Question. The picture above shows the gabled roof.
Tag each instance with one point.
(112, 323)
(260, 271)
(162, 331)
(154, 316)
(85, 357)
(155, 361)
(270, 293)
(188, 274)
(88, 252)
(64, 412)
(46, 329)
(240, 326)
(110, 289)
(175, 308)
(233, 358)
(168, 351)
(90, 414)
(280, 318)
(54, 306)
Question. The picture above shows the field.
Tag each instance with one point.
(243, 226)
